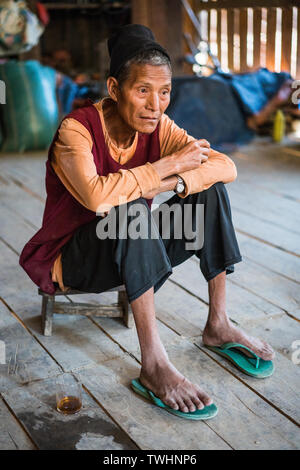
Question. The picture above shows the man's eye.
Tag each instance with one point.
(165, 92)
(143, 90)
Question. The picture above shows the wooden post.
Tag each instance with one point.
(271, 32)
(298, 45)
(243, 25)
(164, 18)
(230, 31)
(208, 26)
(219, 34)
(256, 36)
(287, 24)
(127, 311)
(47, 314)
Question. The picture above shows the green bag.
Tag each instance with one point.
(30, 115)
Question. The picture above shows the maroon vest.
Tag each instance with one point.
(63, 214)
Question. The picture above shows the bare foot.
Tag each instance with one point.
(223, 331)
(173, 388)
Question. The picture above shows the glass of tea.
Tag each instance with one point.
(68, 395)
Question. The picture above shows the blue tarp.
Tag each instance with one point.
(253, 90)
(216, 107)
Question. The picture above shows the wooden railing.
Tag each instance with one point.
(245, 35)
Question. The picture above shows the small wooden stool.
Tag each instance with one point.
(121, 309)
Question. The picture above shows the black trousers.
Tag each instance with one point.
(93, 263)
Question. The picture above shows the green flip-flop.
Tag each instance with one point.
(207, 412)
(253, 366)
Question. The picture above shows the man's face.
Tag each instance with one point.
(145, 96)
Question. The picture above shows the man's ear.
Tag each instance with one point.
(113, 88)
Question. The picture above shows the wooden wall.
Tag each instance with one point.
(84, 32)
(262, 33)
(164, 18)
(77, 32)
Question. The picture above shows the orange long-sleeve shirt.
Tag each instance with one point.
(74, 164)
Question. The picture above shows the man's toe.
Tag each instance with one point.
(204, 398)
(190, 404)
(268, 351)
(197, 402)
(172, 403)
(207, 400)
(182, 406)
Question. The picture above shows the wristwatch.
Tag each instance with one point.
(180, 186)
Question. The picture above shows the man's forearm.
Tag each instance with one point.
(167, 166)
(167, 184)
(218, 168)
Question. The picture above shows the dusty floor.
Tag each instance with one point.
(263, 297)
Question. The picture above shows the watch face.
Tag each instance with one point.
(180, 187)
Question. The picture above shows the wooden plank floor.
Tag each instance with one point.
(263, 297)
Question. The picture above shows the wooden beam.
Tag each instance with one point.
(246, 4)
(271, 32)
(208, 25)
(298, 44)
(219, 35)
(286, 38)
(230, 26)
(243, 39)
(256, 37)
(70, 6)
(81, 308)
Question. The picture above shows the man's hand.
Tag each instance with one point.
(192, 155)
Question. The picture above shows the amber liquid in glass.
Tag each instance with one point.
(69, 405)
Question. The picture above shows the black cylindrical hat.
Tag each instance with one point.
(127, 42)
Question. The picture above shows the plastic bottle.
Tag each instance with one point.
(278, 126)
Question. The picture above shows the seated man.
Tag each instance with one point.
(120, 152)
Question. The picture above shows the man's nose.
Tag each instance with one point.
(153, 102)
